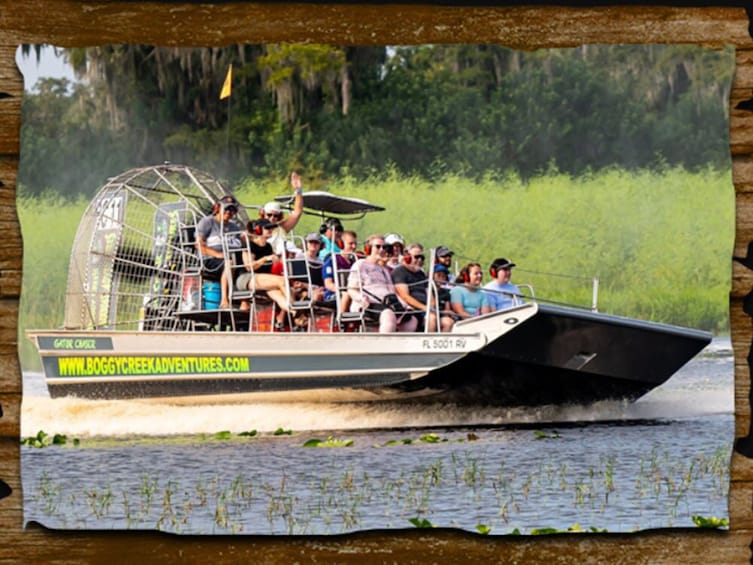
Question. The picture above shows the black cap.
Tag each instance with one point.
(227, 202)
(331, 223)
(261, 223)
(502, 263)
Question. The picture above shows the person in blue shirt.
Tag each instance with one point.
(344, 259)
(466, 297)
(503, 293)
(331, 231)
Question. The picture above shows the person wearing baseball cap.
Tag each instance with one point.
(501, 292)
(209, 235)
(272, 211)
(395, 246)
(331, 230)
(443, 257)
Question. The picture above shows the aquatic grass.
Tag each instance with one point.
(710, 522)
(329, 442)
(538, 434)
(99, 502)
(339, 501)
(43, 439)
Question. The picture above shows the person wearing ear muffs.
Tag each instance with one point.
(466, 297)
(258, 261)
(503, 293)
(209, 233)
(371, 289)
(331, 231)
(272, 211)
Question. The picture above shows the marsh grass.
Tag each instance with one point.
(491, 498)
(659, 242)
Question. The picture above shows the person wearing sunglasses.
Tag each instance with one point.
(412, 284)
(209, 233)
(371, 289)
(283, 225)
(395, 247)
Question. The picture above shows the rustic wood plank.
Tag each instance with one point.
(742, 166)
(11, 87)
(743, 69)
(742, 469)
(79, 24)
(10, 383)
(75, 23)
(11, 509)
(10, 421)
(413, 546)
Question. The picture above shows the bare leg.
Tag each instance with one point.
(224, 302)
(274, 285)
(408, 325)
(387, 321)
(432, 321)
(446, 322)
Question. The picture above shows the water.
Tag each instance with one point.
(612, 466)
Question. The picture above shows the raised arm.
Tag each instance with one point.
(292, 220)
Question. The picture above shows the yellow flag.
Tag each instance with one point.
(227, 87)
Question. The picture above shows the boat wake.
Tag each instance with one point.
(123, 418)
(703, 388)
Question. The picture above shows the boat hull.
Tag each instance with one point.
(104, 364)
(527, 356)
(567, 356)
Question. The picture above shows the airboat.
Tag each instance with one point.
(139, 323)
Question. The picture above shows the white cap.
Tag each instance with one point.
(392, 238)
(291, 248)
(272, 208)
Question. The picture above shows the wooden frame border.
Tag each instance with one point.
(71, 23)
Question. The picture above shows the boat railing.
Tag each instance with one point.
(298, 282)
(592, 281)
(238, 261)
(345, 278)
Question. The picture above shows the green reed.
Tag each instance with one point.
(338, 501)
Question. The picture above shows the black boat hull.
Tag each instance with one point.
(566, 356)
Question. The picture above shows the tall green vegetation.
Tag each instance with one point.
(332, 110)
(606, 161)
(656, 241)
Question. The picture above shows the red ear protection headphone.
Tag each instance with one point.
(465, 272)
(255, 227)
(493, 271)
(367, 248)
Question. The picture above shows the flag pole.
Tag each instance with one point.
(227, 90)
(227, 136)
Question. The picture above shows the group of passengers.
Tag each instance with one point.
(386, 281)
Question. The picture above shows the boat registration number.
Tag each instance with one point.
(445, 343)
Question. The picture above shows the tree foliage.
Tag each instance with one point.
(428, 110)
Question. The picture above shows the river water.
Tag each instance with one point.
(243, 468)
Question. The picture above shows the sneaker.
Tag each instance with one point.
(280, 327)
